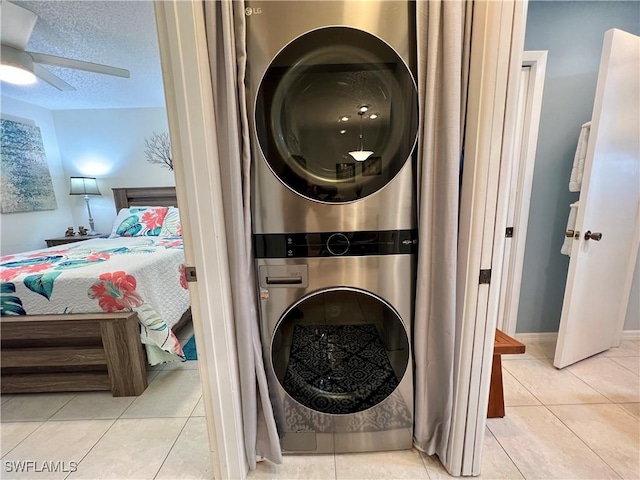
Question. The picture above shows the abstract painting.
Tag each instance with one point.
(25, 180)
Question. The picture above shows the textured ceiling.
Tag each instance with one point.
(117, 33)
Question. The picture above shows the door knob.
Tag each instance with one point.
(588, 235)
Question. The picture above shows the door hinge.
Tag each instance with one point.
(190, 274)
(485, 276)
(509, 232)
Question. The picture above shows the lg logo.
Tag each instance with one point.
(252, 11)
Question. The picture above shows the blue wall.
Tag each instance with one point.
(573, 33)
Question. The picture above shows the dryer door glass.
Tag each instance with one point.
(340, 351)
(336, 114)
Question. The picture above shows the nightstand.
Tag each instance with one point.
(54, 242)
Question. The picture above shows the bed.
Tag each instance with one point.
(76, 317)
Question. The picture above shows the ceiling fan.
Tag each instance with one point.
(20, 67)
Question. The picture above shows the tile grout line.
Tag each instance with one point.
(523, 386)
(589, 385)
(37, 428)
(17, 444)
(583, 441)
(503, 449)
(92, 447)
(196, 405)
(171, 449)
(624, 366)
(619, 405)
(422, 455)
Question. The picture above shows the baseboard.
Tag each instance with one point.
(537, 337)
(631, 335)
(553, 336)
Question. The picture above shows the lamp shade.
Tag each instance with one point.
(84, 186)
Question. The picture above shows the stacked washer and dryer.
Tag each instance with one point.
(334, 119)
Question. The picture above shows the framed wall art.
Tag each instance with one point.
(25, 183)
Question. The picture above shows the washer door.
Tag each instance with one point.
(330, 99)
(340, 351)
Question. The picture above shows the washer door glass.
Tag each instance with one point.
(336, 114)
(340, 351)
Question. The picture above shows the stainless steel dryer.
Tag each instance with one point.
(334, 116)
(336, 313)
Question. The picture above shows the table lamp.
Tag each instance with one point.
(85, 186)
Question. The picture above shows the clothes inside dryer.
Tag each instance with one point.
(336, 114)
(340, 351)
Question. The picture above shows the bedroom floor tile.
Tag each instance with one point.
(198, 411)
(381, 465)
(5, 398)
(56, 442)
(93, 405)
(11, 434)
(514, 393)
(31, 407)
(171, 394)
(607, 430)
(189, 457)
(298, 467)
(188, 365)
(550, 385)
(532, 351)
(632, 408)
(496, 464)
(131, 449)
(609, 378)
(542, 447)
(627, 348)
(630, 363)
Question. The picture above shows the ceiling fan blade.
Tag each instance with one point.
(16, 25)
(78, 65)
(46, 76)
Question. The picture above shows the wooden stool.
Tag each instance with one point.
(504, 344)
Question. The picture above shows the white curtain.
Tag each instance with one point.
(225, 25)
(443, 43)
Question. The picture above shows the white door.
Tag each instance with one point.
(598, 278)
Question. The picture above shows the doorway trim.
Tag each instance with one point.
(189, 97)
(519, 184)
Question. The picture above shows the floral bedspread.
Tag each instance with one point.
(140, 274)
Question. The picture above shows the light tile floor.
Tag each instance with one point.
(577, 423)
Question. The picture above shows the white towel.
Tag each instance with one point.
(575, 182)
(571, 225)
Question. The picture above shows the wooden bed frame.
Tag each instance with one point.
(81, 352)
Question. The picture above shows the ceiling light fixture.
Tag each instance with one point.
(344, 118)
(363, 108)
(373, 116)
(361, 154)
(16, 67)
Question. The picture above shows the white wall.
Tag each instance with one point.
(109, 144)
(27, 231)
(573, 33)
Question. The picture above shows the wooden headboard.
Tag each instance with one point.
(145, 196)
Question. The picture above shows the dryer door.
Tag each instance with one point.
(340, 351)
(336, 114)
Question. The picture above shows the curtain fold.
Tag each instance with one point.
(443, 36)
(225, 27)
